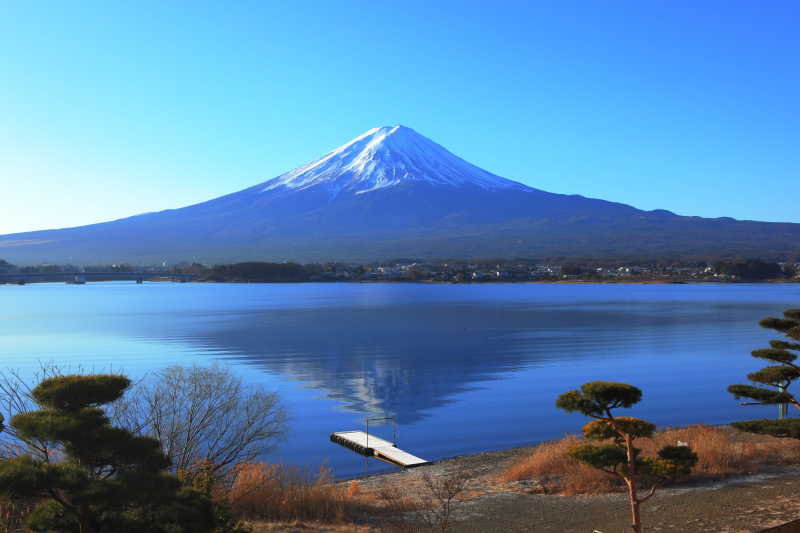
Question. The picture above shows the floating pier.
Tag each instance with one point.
(371, 446)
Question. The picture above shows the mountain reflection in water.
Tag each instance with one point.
(464, 368)
(406, 360)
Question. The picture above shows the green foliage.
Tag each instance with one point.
(678, 460)
(24, 477)
(780, 376)
(225, 523)
(201, 481)
(262, 272)
(186, 511)
(778, 324)
(603, 457)
(783, 345)
(786, 428)
(772, 354)
(597, 398)
(605, 429)
(108, 479)
(750, 269)
(70, 393)
(670, 462)
(50, 517)
(765, 396)
(775, 375)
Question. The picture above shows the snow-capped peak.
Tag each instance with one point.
(384, 157)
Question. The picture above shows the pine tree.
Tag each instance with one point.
(104, 478)
(772, 382)
(620, 457)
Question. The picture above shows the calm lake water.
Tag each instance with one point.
(464, 368)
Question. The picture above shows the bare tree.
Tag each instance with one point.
(441, 498)
(16, 398)
(427, 508)
(203, 416)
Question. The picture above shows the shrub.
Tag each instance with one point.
(274, 492)
(203, 416)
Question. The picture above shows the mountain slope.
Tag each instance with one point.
(392, 192)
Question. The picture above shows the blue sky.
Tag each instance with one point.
(109, 109)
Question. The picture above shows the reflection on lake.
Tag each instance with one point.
(464, 368)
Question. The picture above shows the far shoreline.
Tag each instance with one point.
(165, 279)
(522, 282)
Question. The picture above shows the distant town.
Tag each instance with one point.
(443, 271)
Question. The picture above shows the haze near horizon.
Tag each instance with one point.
(115, 110)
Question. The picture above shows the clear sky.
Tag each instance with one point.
(109, 109)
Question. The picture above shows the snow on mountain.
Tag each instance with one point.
(393, 193)
(384, 157)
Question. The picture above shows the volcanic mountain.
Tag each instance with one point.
(389, 193)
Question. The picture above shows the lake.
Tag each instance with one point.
(463, 368)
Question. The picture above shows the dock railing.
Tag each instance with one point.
(394, 427)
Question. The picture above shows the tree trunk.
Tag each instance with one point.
(633, 498)
(636, 521)
(86, 522)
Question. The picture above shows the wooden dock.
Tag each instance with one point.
(372, 446)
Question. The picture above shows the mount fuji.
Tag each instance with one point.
(389, 193)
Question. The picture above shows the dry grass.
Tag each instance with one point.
(307, 527)
(725, 451)
(13, 514)
(558, 472)
(722, 451)
(276, 493)
(396, 499)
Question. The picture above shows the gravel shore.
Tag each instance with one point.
(734, 505)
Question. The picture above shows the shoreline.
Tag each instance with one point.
(749, 502)
(167, 279)
(520, 282)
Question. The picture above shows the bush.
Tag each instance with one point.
(274, 492)
(203, 417)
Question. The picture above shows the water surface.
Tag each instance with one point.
(463, 368)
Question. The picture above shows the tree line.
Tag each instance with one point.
(262, 271)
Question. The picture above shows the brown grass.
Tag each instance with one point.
(13, 514)
(310, 527)
(558, 472)
(278, 493)
(722, 451)
(725, 451)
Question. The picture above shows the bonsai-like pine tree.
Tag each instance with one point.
(772, 382)
(613, 450)
(104, 478)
